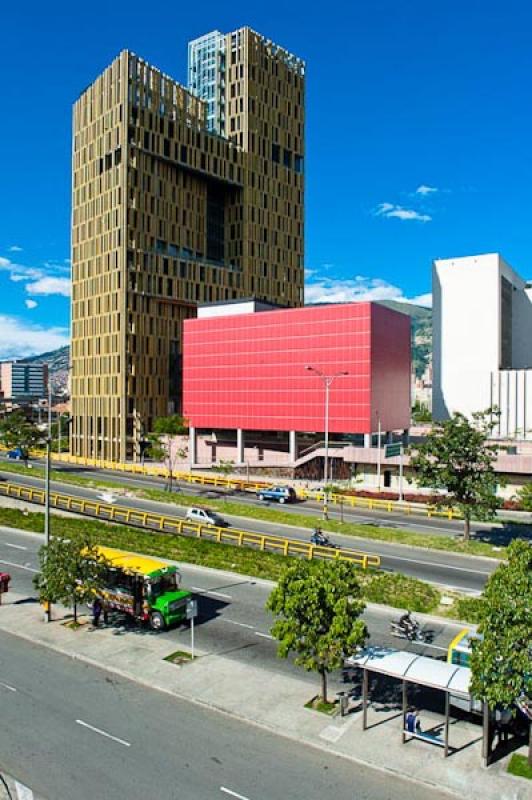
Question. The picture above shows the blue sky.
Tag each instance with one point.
(419, 132)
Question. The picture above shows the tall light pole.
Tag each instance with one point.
(327, 381)
(47, 487)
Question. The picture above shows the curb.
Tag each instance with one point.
(238, 717)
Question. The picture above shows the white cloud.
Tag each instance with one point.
(19, 339)
(421, 300)
(31, 303)
(15, 249)
(358, 289)
(391, 210)
(50, 285)
(46, 281)
(424, 189)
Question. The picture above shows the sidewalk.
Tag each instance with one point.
(15, 790)
(275, 702)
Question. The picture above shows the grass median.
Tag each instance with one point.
(395, 590)
(232, 507)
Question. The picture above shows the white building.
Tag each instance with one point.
(482, 341)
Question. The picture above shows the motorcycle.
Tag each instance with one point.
(411, 631)
(322, 540)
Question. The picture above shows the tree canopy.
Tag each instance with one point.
(18, 431)
(501, 661)
(318, 605)
(456, 457)
(161, 446)
(71, 572)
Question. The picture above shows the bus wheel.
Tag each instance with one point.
(157, 621)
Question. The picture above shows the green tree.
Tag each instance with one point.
(421, 413)
(456, 457)
(61, 433)
(501, 662)
(524, 496)
(318, 606)
(16, 431)
(71, 572)
(162, 446)
(224, 467)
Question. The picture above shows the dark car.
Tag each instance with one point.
(281, 494)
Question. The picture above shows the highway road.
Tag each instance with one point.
(417, 523)
(232, 620)
(443, 568)
(70, 730)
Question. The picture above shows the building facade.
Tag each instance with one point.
(172, 209)
(21, 380)
(482, 342)
(248, 372)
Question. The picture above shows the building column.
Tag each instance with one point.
(388, 437)
(406, 437)
(192, 446)
(240, 446)
(292, 445)
(368, 437)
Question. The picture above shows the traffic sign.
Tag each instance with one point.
(393, 450)
(192, 609)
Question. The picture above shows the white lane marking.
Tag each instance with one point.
(263, 635)
(234, 622)
(435, 564)
(8, 687)
(19, 566)
(210, 591)
(23, 792)
(16, 546)
(225, 790)
(103, 733)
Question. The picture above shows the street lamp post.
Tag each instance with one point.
(327, 381)
(47, 488)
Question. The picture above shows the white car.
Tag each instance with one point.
(206, 517)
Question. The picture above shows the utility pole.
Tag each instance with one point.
(327, 381)
(401, 454)
(47, 487)
(378, 452)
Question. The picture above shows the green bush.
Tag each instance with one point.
(525, 497)
(401, 591)
(467, 609)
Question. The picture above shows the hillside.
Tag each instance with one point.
(58, 363)
(421, 332)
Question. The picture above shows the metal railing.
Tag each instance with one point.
(173, 525)
(351, 501)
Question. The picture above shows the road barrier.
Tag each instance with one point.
(333, 498)
(173, 525)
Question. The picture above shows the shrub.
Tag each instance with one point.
(401, 591)
(467, 609)
(525, 497)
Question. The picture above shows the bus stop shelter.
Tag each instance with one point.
(410, 668)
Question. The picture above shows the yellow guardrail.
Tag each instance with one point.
(163, 523)
(351, 501)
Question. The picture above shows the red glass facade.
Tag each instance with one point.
(249, 371)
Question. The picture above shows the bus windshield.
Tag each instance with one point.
(165, 583)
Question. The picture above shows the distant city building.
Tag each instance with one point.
(482, 341)
(245, 377)
(180, 196)
(21, 380)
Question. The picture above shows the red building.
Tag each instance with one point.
(248, 371)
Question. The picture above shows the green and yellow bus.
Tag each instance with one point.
(459, 651)
(144, 588)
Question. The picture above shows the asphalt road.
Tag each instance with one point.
(443, 568)
(418, 523)
(233, 620)
(70, 730)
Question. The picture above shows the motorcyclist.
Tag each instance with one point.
(319, 537)
(407, 623)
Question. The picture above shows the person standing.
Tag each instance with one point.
(96, 611)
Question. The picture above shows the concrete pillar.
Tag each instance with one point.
(406, 437)
(292, 445)
(368, 439)
(192, 446)
(240, 446)
(388, 437)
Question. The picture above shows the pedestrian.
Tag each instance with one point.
(410, 720)
(96, 611)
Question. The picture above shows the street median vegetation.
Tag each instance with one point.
(390, 589)
(232, 507)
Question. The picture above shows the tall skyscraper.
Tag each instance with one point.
(179, 197)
